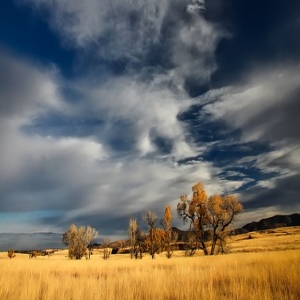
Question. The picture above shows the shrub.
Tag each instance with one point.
(11, 253)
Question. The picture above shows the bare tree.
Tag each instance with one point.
(78, 240)
(132, 232)
(150, 218)
(91, 234)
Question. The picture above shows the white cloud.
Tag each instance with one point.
(79, 176)
(193, 49)
(148, 109)
(88, 175)
(259, 105)
(122, 28)
(196, 6)
(269, 184)
(129, 29)
(264, 109)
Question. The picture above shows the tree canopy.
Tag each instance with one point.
(209, 217)
(78, 240)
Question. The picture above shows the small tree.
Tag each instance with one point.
(150, 218)
(209, 217)
(34, 254)
(191, 243)
(140, 246)
(11, 253)
(78, 240)
(170, 236)
(106, 250)
(91, 234)
(221, 214)
(158, 240)
(132, 232)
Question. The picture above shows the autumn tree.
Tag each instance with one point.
(221, 212)
(157, 244)
(140, 245)
(11, 253)
(209, 216)
(78, 240)
(150, 218)
(169, 235)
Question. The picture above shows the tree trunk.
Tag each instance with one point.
(204, 248)
(152, 244)
(213, 246)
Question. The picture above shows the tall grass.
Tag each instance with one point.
(269, 275)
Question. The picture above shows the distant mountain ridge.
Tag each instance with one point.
(272, 222)
(276, 221)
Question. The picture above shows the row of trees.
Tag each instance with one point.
(156, 240)
(209, 220)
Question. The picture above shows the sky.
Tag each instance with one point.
(109, 108)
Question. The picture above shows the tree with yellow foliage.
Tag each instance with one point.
(169, 235)
(11, 253)
(209, 216)
(79, 240)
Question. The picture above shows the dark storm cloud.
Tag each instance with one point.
(16, 79)
(61, 125)
(30, 241)
(266, 106)
(284, 194)
(45, 183)
(262, 32)
(281, 121)
(111, 222)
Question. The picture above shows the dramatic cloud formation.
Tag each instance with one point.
(109, 108)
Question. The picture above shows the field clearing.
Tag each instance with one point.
(266, 275)
(246, 273)
(285, 238)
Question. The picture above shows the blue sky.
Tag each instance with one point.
(109, 108)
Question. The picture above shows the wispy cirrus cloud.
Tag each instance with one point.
(131, 32)
(263, 109)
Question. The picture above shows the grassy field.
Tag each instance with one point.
(285, 238)
(246, 273)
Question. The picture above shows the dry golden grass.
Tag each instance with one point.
(269, 275)
(264, 275)
(285, 238)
